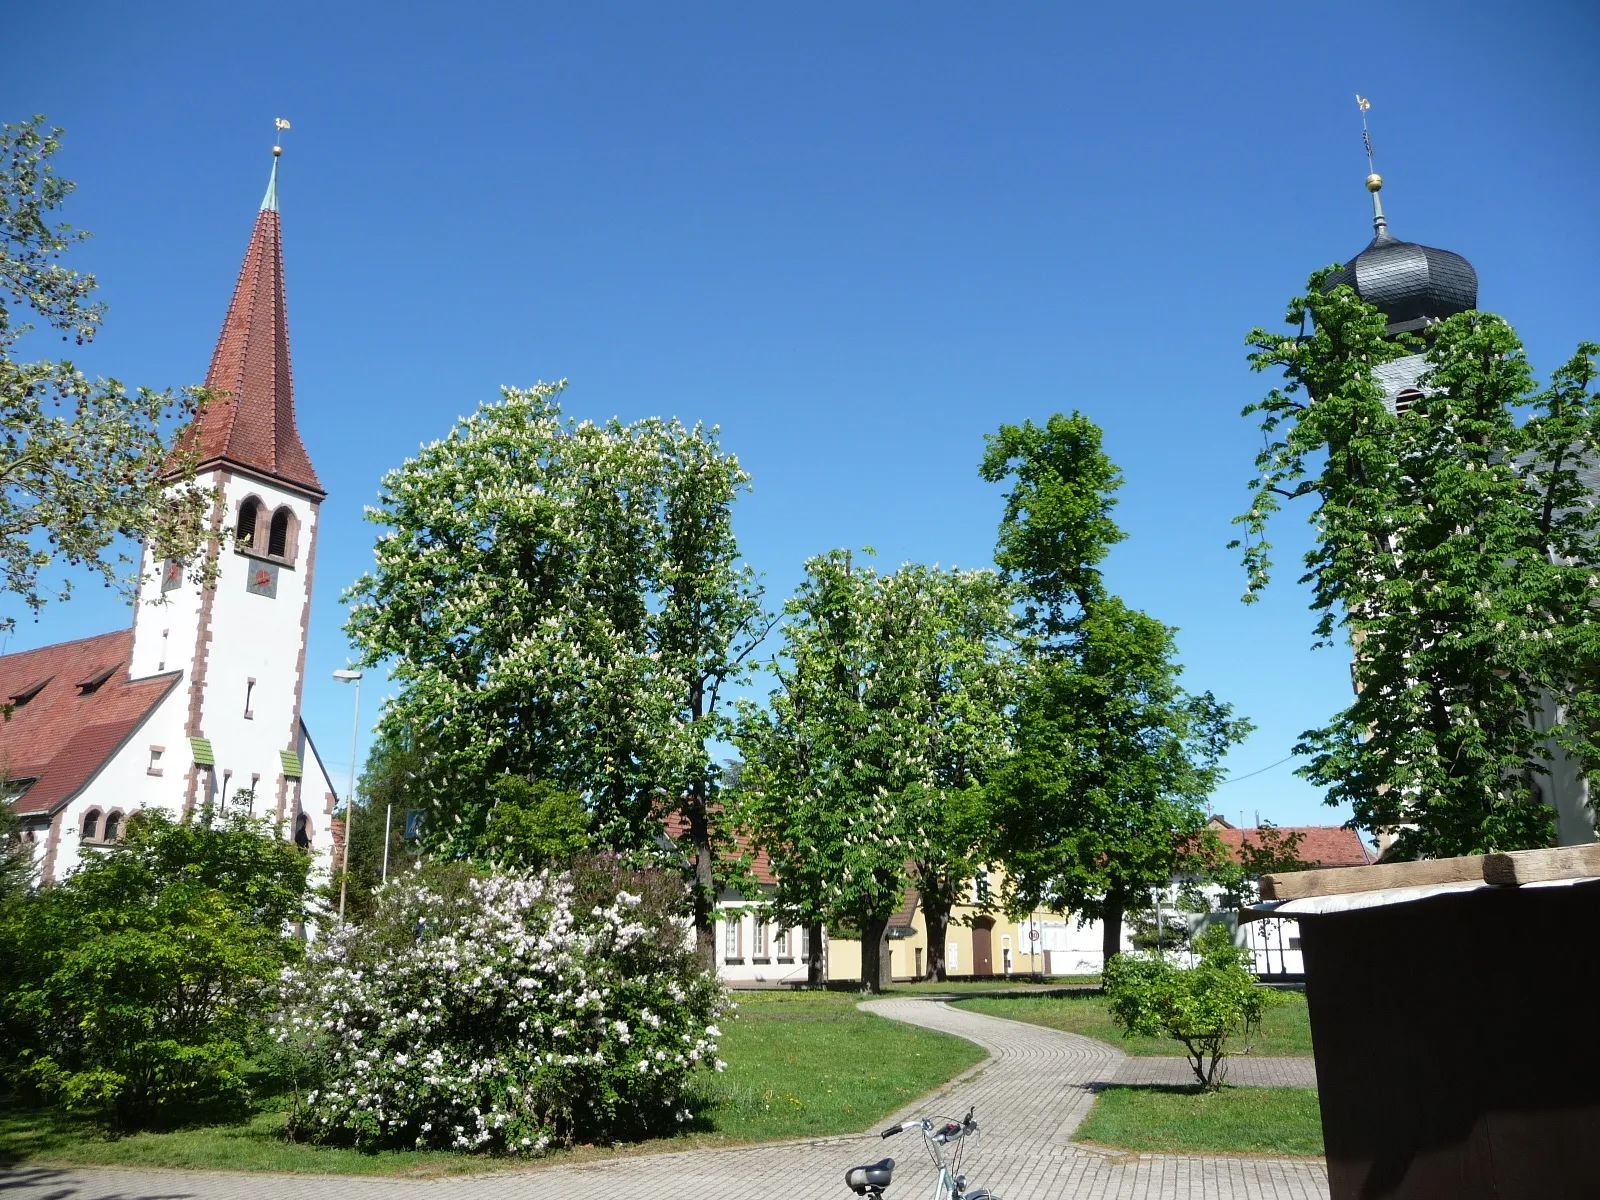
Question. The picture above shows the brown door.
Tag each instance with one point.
(982, 955)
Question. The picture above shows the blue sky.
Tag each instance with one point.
(856, 237)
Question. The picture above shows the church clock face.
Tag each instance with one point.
(262, 580)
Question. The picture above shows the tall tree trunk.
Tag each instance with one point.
(875, 952)
(1111, 932)
(705, 881)
(936, 918)
(816, 969)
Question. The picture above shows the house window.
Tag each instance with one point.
(730, 943)
(780, 946)
(245, 530)
(91, 825)
(155, 760)
(113, 826)
(760, 940)
(249, 690)
(952, 957)
(919, 963)
(980, 888)
(805, 945)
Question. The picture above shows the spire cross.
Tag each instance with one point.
(1374, 180)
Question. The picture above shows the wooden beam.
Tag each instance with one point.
(1337, 881)
(1537, 866)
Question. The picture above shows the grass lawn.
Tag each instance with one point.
(1286, 1028)
(799, 1064)
(1239, 1120)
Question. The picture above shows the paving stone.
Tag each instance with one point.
(1030, 1095)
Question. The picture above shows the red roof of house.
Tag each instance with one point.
(760, 867)
(250, 420)
(60, 734)
(1319, 846)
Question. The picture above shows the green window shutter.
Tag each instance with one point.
(203, 755)
(291, 764)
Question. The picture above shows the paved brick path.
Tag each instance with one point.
(1030, 1096)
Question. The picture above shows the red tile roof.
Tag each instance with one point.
(1319, 846)
(62, 735)
(760, 867)
(250, 420)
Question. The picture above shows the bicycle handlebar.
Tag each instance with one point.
(946, 1132)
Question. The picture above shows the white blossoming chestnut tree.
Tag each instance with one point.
(503, 1013)
(565, 601)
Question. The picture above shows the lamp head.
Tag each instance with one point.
(346, 676)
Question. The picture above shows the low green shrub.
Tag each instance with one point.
(132, 989)
(1200, 1006)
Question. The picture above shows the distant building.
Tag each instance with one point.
(981, 940)
(1275, 942)
(199, 702)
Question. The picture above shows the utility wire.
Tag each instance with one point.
(1268, 767)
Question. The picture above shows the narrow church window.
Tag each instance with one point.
(278, 535)
(249, 690)
(162, 665)
(302, 831)
(91, 824)
(246, 529)
(113, 826)
(155, 760)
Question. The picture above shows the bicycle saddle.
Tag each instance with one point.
(873, 1177)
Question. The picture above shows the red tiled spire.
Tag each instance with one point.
(250, 420)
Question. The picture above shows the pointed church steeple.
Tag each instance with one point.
(250, 420)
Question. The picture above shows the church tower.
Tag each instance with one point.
(1414, 286)
(241, 644)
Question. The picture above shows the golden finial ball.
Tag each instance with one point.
(277, 150)
(1374, 182)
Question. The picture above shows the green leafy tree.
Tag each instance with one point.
(824, 773)
(1456, 547)
(563, 601)
(1202, 1007)
(388, 792)
(1103, 798)
(955, 671)
(133, 988)
(533, 826)
(16, 853)
(83, 463)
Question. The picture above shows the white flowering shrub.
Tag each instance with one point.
(503, 1013)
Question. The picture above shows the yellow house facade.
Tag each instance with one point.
(981, 941)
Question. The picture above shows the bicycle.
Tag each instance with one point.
(869, 1181)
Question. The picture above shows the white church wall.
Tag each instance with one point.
(249, 711)
(125, 783)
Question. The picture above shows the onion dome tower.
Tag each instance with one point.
(1414, 286)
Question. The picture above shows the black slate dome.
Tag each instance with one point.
(1412, 285)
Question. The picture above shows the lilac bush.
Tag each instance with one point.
(501, 1013)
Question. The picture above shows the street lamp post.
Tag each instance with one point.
(348, 676)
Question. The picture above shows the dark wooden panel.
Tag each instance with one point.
(1454, 1045)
